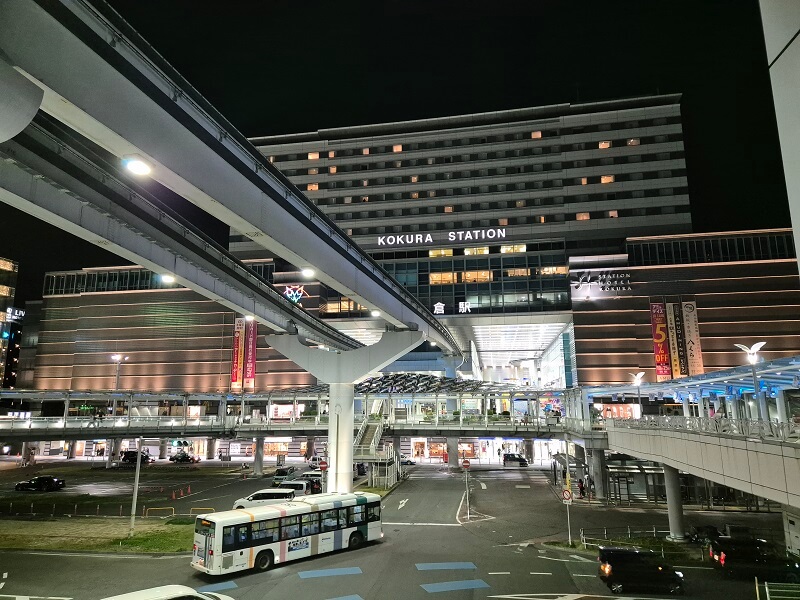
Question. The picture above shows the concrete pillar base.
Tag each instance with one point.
(258, 461)
(678, 540)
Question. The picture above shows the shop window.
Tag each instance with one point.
(312, 187)
(606, 179)
(604, 145)
(313, 155)
(582, 216)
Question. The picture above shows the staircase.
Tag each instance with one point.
(367, 446)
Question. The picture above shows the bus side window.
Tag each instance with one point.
(243, 536)
(228, 539)
(265, 532)
(329, 520)
(309, 524)
(289, 528)
(342, 518)
(374, 512)
(357, 514)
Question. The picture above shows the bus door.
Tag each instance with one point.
(204, 543)
(236, 547)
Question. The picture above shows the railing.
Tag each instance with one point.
(583, 426)
(116, 425)
(479, 422)
(757, 430)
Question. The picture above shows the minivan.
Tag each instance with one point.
(301, 487)
(512, 460)
(311, 475)
(129, 456)
(284, 474)
(262, 497)
(170, 592)
(622, 569)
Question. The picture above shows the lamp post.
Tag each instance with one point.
(637, 381)
(118, 359)
(752, 358)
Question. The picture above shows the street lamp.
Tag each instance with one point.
(119, 359)
(752, 358)
(637, 381)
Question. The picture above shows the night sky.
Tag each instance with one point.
(286, 66)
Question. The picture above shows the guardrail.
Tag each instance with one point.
(757, 430)
(111, 426)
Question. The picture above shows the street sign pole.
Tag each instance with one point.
(465, 465)
(569, 528)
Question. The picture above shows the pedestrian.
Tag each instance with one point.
(580, 488)
(499, 452)
(220, 454)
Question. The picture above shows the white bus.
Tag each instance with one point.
(261, 536)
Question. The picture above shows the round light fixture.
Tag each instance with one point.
(136, 165)
(167, 279)
(249, 317)
(375, 313)
(307, 272)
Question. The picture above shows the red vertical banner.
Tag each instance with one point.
(658, 323)
(237, 355)
(251, 330)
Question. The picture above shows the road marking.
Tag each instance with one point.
(522, 487)
(483, 485)
(556, 559)
(426, 524)
(204, 499)
(329, 572)
(353, 597)
(218, 587)
(181, 556)
(581, 558)
(451, 586)
(402, 503)
(501, 573)
(35, 597)
(445, 566)
(701, 568)
(583, 575)
(535, 573)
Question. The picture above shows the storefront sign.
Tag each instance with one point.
(661, 352)
(694, 354)
(251, 328)
(14, 315)
(421, 239)
(677, 340)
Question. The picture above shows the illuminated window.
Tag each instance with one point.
(365, 198)
(539, 219)
(397, 148)
(348, 232)
(584, 181)
(512, 249)
(448, 209)
(606, 179)
(476, 276)
(633, 142)
(313, 155)
(502, 222)
(414, 178)
(313, 171)
(365, 151)
(441, 278)
(331, 154)
(431, 193)
(312, 187)
(440, 252)
(365, 182)
(478, 250)
(331, 169)
(348, 199)
(536, 135)
(553, 271)
(582, 216)
(518, 272)
(604, 145)
(520, 204)
(414, 195)
(612, 214)
(271, 159)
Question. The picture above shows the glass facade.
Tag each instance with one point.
(720, 248)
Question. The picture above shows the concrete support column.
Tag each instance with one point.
(258, 460)
(452, 452)
(780, 404)
(598, 463)
(763, 408)
(396, 444)
(66, 410)
(71, 448)
(580, 460)
(162, 448)
(674, 504)
(211, 448)
(717, 405)
(687, 411)
(113, 451)
(340, 438)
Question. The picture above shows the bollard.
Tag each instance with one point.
(75, 514)
(98, 510)
(32, 508)
(53, 514)
(120, 510)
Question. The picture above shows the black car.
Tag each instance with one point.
(748, 558)
(42, 483)
(623, 569)
(704, 534)
(514, 460)
(184, 457)
(129, 456)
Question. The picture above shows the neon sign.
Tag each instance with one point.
(295, 293)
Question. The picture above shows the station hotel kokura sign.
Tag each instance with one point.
(421, 239)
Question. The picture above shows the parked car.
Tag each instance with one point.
(286, 473)
(311, 475)
(511, 460)
(314, 461)
(184, 457)
(751, 557)
(129, 456)
(623, 569)
(41, 483)
(301, 487)
(406, 460)
(703, 534)
(263, 497)
(170, 592)
(361, 469)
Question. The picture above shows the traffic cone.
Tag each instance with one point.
(173, 494)
(189, 490)
(181, 492)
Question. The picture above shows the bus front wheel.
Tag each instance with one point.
(264, 560)
(356, 539)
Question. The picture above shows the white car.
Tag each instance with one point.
(267, 496)
(170, 592)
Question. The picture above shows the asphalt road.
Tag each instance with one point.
(429, 549)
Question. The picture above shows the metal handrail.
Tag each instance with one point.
(756, 430)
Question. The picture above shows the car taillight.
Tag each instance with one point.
(722, 558)
(211, 553)
(710, 552)
(194, 547)
(606, 569)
